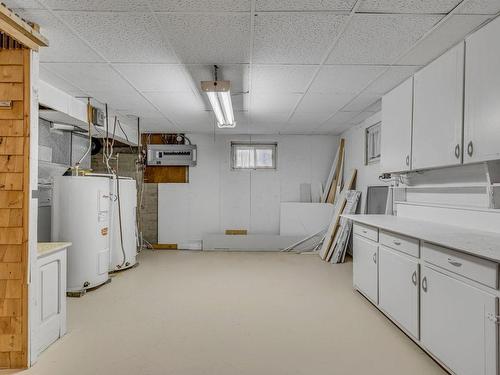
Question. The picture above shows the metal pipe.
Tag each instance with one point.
(89, 109)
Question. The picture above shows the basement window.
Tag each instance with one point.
(253, 155)
(372, 142)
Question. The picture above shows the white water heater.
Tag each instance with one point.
(80, 214)
(123, 219)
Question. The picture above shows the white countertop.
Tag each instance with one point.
(45, 248)
(480, 243)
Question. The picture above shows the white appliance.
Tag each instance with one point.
(80, 214)
(123, 218)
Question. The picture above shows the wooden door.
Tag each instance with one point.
(364, 269)
(458, 324)
(482, 95)
(398, 288)
(397, 117)
(437, 112)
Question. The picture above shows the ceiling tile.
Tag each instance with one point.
(237, 74)
(208, 38)
(268, 102)
(285, 78)
(481, 7)
(156, 123)
(361, 102)
(176, 102)
(90, 76)
(203, 119)
(408, 6)
(391, 78)
(120, 36)
(345, 78)
(22, 4)
(338, 123)
(201, 5)
(452, 31)
(98, 5)
(130, 102)
(287, 5)
(64, 45)
(56, 81)
(294, 38)
(375, 107)
(275, 119)
(156, 77)
(380, 38)
(308, 120)
(325, 103)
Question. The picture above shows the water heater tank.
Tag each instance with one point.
(124, 204)
(80, 214)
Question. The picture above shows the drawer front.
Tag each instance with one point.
(366, 231)
(481, 270)
(407, 245)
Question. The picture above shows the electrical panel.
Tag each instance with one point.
(171, 155)
(98, 117)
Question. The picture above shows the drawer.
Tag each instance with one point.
(405, 244)
(366, 231)
(481, 270)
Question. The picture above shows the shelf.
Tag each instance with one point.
(440, 205)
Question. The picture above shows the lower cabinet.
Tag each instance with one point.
(365, 270)
(458, 324)
(398, 289)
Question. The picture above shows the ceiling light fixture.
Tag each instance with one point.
(219, 95)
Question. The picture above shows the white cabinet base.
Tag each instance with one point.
(365, 270)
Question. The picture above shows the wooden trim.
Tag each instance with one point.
(12, 24)
(164, 246)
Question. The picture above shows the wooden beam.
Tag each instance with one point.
(13, 25)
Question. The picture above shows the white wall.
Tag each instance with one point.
(218, 198)
(355, 158)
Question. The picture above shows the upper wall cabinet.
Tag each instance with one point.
(482, 95)
(397, 108)
(438, 112)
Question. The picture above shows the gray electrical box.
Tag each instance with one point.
(173, 155)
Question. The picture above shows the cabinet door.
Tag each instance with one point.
(456, 325)
(482, 95)
(398, 282)
(437, 111)
(397, 114)
(365, 275)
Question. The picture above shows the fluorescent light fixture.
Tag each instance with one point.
(219, 95)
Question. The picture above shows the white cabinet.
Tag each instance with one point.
(397, 114)
(50, 303)
(438, 111)
(482, 95)
(365, 274)
(398, 289)
(458, 324)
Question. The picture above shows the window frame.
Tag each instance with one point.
(255, 146)
(368, 159)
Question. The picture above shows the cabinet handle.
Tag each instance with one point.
(470, 148)
(454, 262)
(457, 151)
(396, 243)
(414, 278)
(408, 160)
(365, 231)
(424, 284)
(375, 258)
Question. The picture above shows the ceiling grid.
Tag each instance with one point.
(310, 66)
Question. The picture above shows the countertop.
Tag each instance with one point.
(479, 243)
(45, 248)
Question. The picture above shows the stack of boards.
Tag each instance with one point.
(333, 240)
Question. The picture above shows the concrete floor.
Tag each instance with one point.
(215, 313)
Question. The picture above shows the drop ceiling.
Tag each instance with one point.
(296, 66)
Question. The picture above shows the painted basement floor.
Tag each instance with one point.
(193, 313)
